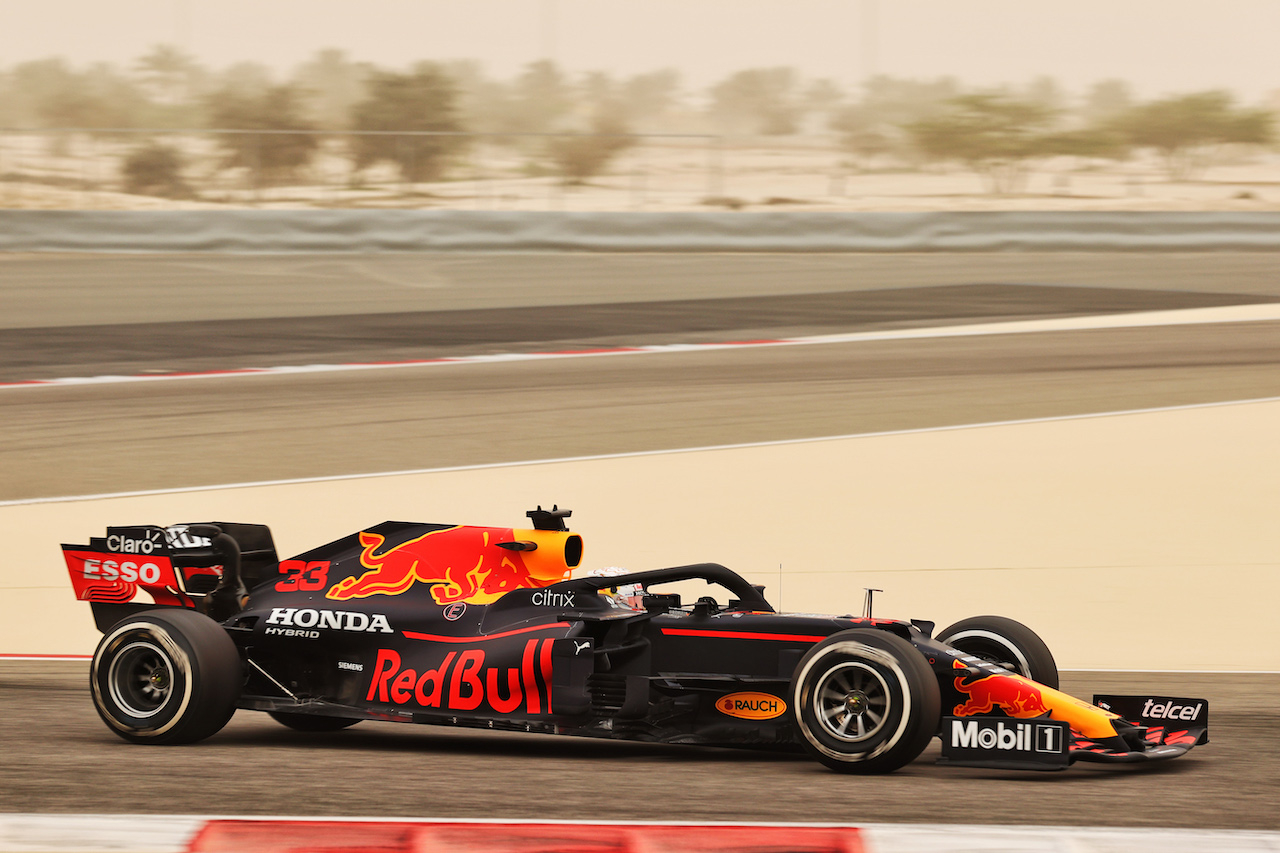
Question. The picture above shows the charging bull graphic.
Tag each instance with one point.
(474, 565)
(1013, 694)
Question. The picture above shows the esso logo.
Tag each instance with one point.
(127, 571)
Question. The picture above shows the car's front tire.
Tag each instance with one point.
(166, 676)
(864, 701)
(1006, 643)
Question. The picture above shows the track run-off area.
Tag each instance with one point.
(1105, 472)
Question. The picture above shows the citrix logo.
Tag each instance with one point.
(553, 599)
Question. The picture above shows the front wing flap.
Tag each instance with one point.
(1154, 728)
(1120, 729)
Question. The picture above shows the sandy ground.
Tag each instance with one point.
(1112, 536)
(694, 174)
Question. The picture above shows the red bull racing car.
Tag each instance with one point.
(486, 627)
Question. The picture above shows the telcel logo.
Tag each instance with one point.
(751, 706)
(1168, 711)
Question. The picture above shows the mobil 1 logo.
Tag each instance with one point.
(1005, 742)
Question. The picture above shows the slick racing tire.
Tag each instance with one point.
(166, 676)
(311, 722)
(864, 701)
(1006, 643)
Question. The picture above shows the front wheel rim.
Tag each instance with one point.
(852, 702)
(141, 679)
(993, 648)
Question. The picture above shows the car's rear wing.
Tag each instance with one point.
(182, 565)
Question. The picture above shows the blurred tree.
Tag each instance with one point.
(174, 83)
(51, 94)
(330, 86)
(1087, 143)
(1105, 101)
(48, 93)
(894, 101)
(579, 157)
(541, 99)
(8, 102)
(244, 80)
(1048, 93)
(269, 157)
(155, 169)
(873, 127)
(636, 100)
(648, 97)
(117, 100)
(758, 100)
(822, 95)
(1185, 129)
(862, 133)
(482, 103)
(168, 74)
(598, 89)
(995, 135)
(423, 100)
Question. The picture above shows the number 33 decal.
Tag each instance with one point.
(301, 576)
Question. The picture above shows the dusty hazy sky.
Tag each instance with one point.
(1161, 46)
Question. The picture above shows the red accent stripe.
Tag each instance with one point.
(742, 635)
(283, 836)
(19, 656)
(440, 638)
(530, 683)
(544, 661)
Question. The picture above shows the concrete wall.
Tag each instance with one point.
(1142, 541)
(416, 230)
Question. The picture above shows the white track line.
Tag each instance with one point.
(336, 478)
(1183, 317)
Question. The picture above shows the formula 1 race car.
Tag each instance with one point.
(485, 627)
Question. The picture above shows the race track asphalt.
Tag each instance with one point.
(59, 757)
(73, 440)
(77, 315)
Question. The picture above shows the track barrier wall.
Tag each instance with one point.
(432, 231)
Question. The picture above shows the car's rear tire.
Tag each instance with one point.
(864, 701)
(311, 722)
(166, 676)
(1006, 643)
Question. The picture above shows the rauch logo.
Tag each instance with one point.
(751, 706)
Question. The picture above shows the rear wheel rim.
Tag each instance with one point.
(852, 702)
(141, 679)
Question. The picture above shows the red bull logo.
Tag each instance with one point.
(1013, 694)
(462, 682)
(471, 565)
